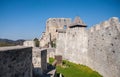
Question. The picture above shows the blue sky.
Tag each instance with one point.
(25, 19)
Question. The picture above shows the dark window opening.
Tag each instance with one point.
(64, 20)
(65, 27)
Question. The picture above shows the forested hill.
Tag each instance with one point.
(8, 42)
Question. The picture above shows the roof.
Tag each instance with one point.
(77, 23)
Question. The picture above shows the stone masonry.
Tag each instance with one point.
(52, 24)
(16, 61)
(40, 58)
(104, 48)
(98, 47)
(29, 43)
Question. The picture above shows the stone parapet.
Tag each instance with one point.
(15, 61)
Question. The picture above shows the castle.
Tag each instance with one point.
(97, 47)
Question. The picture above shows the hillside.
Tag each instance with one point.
(8, 42)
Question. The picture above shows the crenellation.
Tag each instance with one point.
(92, 29)
(105, 24)
(114, 21)
(97, 27)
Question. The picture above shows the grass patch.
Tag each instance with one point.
(69, 69)
(51, 60)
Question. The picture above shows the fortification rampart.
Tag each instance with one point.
(104, 48)
(98, 47)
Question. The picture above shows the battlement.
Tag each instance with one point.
(52, 19)
(58, 21)
(114, 21)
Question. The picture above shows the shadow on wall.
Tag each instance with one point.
(37, 71)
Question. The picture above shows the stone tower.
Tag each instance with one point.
(53, 24)
(76, 41)
(73, 40)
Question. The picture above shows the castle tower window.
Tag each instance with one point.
(65, 27)
(64, 20)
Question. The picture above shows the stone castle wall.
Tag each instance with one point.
(44, 40)
(98, 48)
(76, 45)
(104, 48)
(40, 58)
(21, 61)
(16, 61)
(60, 45)
(36, 60)
(73, 45)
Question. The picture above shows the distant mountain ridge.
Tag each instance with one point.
(8, 42)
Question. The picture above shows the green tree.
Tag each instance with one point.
(36, 42)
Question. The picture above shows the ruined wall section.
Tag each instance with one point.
(44, 40)
(76, 45)
(36, 60)
(104, 48)
(39, 60)
(53, 24)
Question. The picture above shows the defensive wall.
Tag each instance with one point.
(97, 47)
(104, 48)
(21, 61)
